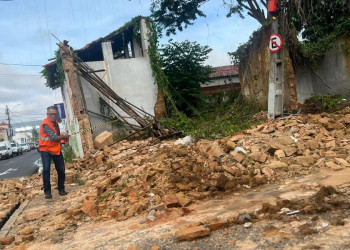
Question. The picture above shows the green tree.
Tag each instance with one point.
(183, 66)
(174, 15)
(35, 134)
(317, 19)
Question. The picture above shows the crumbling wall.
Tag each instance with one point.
(254, 72)
(76, 98)
(254, 68)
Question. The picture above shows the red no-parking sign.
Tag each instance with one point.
(276, 43)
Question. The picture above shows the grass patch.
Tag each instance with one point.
(105, 196)
(80, 182)
(68, 153)
(217, 119)
(326, 103)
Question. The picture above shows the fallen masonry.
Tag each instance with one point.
(156, 181)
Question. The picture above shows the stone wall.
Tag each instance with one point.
(254, 73)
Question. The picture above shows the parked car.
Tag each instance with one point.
(31, 145)
(16, 148)
(25, 147)
(5, 150)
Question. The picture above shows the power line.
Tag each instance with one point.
(20, 64)
(18, 75)
(47, 27)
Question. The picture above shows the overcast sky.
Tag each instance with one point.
(25, 27)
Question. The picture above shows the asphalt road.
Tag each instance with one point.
(18, 166)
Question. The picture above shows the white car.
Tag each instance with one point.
(16, 148)
(25, 147)
(5, 150)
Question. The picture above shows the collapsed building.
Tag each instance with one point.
(121, 61)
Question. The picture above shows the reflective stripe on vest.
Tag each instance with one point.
(44, 138)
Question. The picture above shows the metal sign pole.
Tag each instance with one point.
(276, 75)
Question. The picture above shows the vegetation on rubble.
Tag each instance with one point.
(105, 196)
(327, 103)
(217, 120)
(54, 75)
(68, 153)
(80, 182)
(183, 66)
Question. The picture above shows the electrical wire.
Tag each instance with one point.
(18, 75)
(47, 27)
(20, 64)
(40, 29)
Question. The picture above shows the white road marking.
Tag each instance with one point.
(8, 171)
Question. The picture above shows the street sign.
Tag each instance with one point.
(276, 43)
(61, 111)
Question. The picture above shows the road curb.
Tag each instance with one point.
(8, 225)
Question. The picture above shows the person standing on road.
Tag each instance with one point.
(50, 149)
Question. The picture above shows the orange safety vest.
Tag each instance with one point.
(45, 144)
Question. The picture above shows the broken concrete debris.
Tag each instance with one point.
(192, 233)
(103, 139)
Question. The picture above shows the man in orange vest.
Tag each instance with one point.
(50, 149)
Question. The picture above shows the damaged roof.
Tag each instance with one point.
(224, 72)
(98, 41)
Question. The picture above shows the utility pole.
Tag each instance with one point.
(276, 76)
(9, 130)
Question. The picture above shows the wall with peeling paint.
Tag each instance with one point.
(332, 76)
(72, 122)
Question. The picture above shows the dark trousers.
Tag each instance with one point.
(46, 158)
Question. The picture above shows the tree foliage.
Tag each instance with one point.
(317, 19)
(320, 23)
(54, 75)
(183, 66)
(35, 135)
(175, 15)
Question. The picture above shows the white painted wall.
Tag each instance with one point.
(131, 79)
(221, 81)
(72, 122)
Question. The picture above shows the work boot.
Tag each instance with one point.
(48, 196)
(62, 192)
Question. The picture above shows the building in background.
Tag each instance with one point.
(23, 131)
(4, 131)
(224, 79)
